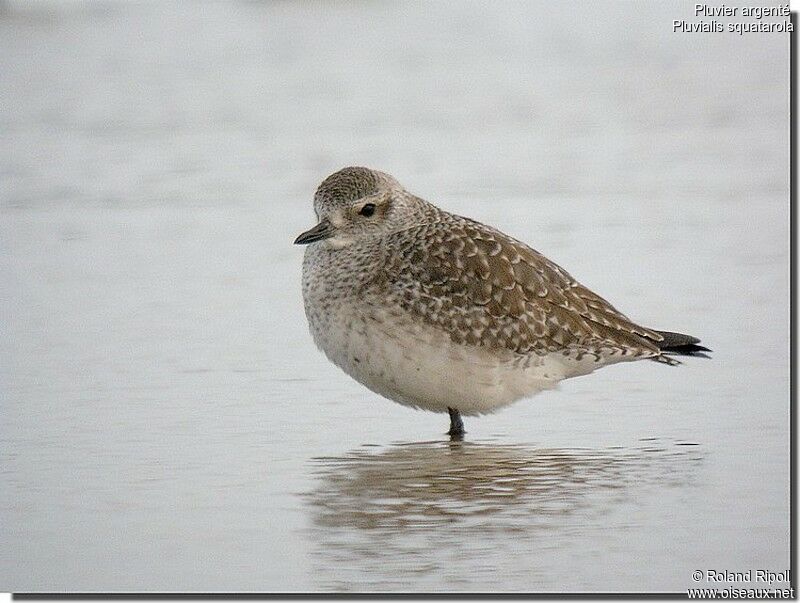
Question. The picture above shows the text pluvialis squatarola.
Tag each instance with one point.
(443, 313)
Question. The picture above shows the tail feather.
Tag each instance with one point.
(678, 344)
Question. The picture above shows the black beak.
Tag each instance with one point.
(323, 230)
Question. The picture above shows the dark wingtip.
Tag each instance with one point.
(689, 349)
(678, 344)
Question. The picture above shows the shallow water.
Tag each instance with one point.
(167, 424)
(423, 513)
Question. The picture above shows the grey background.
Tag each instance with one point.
(166, 423)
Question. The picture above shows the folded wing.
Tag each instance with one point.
(487, 289)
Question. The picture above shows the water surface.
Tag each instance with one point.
(166, 423)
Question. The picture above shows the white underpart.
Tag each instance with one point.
(418, 365)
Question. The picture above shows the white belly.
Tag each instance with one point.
(417, 365)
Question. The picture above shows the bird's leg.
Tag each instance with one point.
(456, 424)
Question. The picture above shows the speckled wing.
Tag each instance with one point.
(487, 289)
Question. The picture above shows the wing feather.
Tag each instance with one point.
(485, 288)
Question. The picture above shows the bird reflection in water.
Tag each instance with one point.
(441, 516)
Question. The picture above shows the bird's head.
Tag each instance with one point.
(358, 202)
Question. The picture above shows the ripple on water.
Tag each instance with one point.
(385, 516)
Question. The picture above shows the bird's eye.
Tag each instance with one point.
(367, 210)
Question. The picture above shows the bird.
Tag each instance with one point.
(440, 312)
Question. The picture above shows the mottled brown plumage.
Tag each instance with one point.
(486, 289)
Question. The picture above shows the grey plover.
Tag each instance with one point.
(443, 313)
